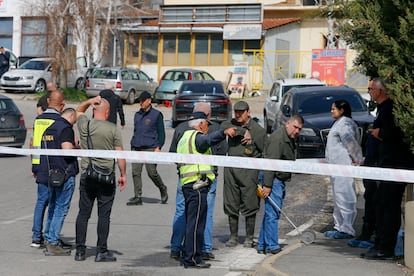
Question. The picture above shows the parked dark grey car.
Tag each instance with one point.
(314, 104)
(192, 92)
(12, 126)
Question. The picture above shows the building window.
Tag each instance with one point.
(208, 50)
(133, 47)
(176, 49)
(212, 13)
(149, 49)
(34, 37)
(201, 50)
(236, 52)
(168, 50)
(184, 42)
(216, 50)
(6, 32)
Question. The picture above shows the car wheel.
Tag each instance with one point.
(131, 97)
(80, 84)
(40, 86)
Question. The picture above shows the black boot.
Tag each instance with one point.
(164, 194)
(234, 229)
(250, 224)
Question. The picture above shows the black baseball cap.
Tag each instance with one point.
(200, 115)
(144, 95)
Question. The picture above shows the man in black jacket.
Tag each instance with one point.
(393, 153)
(115, 104)
(4, 60)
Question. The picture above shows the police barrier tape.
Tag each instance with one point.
(298, 166)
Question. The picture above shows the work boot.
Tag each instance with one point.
(164, 194)
(250, 224)
(234, 229)
(55, 250)
(134, 201)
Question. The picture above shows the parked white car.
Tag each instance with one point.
(278, 90)
(33, 75)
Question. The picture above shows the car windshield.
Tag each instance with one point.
(288, 87)
(35, 65)
(206, 88)
(7, 105)
(104, 74)
(315, 104)
(176, 75)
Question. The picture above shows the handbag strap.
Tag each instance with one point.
(47, 156)
(90, 146)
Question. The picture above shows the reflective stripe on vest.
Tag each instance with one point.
(192, 172)
(39, 128)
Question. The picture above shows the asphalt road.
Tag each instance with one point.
(139, 235)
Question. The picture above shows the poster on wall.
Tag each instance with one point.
(328, 65)
(238, 80)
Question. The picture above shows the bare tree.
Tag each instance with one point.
(83, 26)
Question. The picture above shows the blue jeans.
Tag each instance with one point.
(179, 224)
(59, 203)
(269, 237)
(39, 211)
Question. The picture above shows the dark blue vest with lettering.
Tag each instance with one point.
(145, 129)
(51, 140)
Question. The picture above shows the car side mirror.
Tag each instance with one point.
(286, 110)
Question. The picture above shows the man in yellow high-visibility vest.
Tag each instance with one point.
(196, 180)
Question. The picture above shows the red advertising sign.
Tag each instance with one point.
(328, 65)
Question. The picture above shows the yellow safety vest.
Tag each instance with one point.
(39, 128)
(192, 172)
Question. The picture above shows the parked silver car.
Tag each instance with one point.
(128, 83)
(172, 79)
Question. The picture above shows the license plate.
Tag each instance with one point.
(7, 139)
(194, 103)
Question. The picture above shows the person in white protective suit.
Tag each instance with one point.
(343, 147)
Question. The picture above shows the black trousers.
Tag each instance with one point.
(368, 226)
(196, 214)
(388, 198)
(104, 194)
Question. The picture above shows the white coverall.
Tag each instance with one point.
(343, 147)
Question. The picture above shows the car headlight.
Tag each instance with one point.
(28, 78)
(307, 132)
